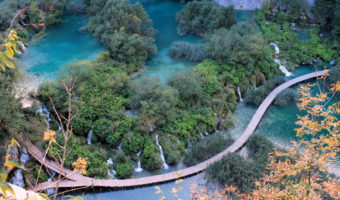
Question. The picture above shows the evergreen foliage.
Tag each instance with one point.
(241, 46)
(189, 51)
(124, 28)
(207, 148)
(235, 170)
(256, 96)
(200, 17)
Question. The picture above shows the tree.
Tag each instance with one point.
(242, 45)
(188, 85)
(200, 17)
(154, 101)
(124, 28)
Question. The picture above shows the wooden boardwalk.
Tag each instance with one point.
(77, 180)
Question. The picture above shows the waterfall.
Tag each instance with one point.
(110, 171)
(239, 93)
(244, 152)
(139, 168)
(165, 166)
(282, 67)
(18, 178)
(43, 111)
(120, 146)
(153, 127)
(278, 61)
(332, 62)
(22, 46)
(89, 137)
(50, 191)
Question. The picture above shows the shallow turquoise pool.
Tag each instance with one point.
(62, 44)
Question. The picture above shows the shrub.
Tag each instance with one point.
(124, 28)
(259, 147)
(207, 148)
(256, 96)
(199, 17)
(173, 149)
(285, 97)
(233, 170)
(124, 170)
(151, 159)
(188, 83)
(189, 51)
(241, 46)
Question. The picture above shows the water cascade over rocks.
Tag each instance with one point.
(120, 146)
(18, 178)
(165, 166)
(278, 61)
(139, 168)
(89, 137)
(110, 171)
(239, 93)
(43, 111)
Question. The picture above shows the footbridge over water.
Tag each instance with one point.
(80, 181)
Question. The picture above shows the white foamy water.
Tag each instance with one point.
(139, 168)
(165, 166)
(281, 63)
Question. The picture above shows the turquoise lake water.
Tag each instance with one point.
(62, 44)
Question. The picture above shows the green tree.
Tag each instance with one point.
(200, 17)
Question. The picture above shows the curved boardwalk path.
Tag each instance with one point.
(77, 180)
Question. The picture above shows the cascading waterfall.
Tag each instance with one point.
(22, 46)
(89, 137)
(278, 61)
(165, 166)
(139, 168)
(50, 191)
(244, 152)
(43, 111)
(239, 93)
(120, 146)
(18, 178)
(110, 171)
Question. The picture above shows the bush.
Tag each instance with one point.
(241, 46)
(207, 148)
(259, 147)
(151, 159)
(234, 170)
(124, 170)
(155, 102)
(173, 149)
(124, 28)
(188, 83)
(192, 52)
(200, 17)
(285, 97)
(256, 96)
